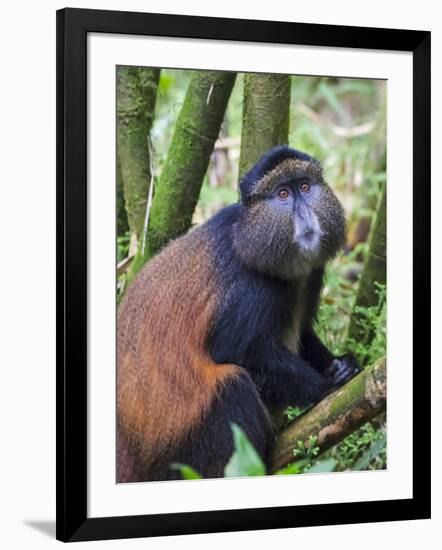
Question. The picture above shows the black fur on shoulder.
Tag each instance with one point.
(252, 317)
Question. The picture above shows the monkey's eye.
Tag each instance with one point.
(304, 186)
(283, 194)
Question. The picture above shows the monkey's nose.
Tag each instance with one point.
(306, 236)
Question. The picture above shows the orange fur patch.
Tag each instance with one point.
(166, 380)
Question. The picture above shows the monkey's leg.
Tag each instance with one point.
(209, 447)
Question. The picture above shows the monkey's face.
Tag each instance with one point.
(294, 224)
(318, 226)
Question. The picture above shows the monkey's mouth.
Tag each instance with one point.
(308, 240)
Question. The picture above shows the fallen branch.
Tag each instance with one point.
(336, 416)
(227, 143)
(124, 265)
(340, 131)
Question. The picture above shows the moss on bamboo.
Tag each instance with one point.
(196, 130)
(136, 97)
(336, 416)
(265, 119)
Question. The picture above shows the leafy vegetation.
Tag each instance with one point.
(292, 412)
(306, 450)
(245, 461)
(332, 324)
(364, 449)
(123, 242)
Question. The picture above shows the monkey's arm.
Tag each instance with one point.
(322, 360)
(314, 352)
(284, 378)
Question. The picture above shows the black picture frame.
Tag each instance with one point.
(73, 25)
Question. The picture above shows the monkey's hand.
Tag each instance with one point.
(341, 370)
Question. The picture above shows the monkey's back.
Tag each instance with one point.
(166, 381)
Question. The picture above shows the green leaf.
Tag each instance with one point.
(375, 448)
(292, 412)
(322, 466)
(245, 461)
(293, 468)
(186, 471)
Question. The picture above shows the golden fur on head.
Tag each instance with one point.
(289, 165)
(166, 380)
(264, 236)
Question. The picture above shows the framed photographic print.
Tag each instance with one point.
(243, 299)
